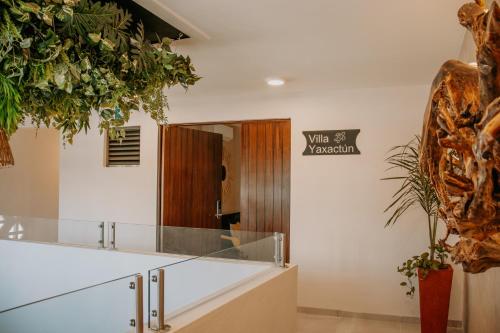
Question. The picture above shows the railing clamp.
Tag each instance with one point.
(101, 235)
(279, 250)
(113, 236)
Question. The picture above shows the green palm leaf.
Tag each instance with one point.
(415, 186)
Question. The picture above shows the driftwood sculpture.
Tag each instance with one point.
(460, 148)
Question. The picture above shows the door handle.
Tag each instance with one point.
(218, 210)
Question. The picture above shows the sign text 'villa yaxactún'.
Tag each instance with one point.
(333, 142)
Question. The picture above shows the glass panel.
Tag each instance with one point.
(29, 229)
(248, 246)
(127, 237)
(190, 241)
(82, 233)
(105, 308)
(191, 282)
(202, 242)
(71, 232)
(133, 237)
(179, 240)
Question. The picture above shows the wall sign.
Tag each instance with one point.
(335, 142)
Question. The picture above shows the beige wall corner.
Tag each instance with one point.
(483, 302)
(266, 305)
(31, 186)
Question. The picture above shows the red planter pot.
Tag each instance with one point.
(435, 291)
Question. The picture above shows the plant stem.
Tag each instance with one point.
(434, 232)
(431, 238)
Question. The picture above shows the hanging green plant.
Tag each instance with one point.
(61, 60)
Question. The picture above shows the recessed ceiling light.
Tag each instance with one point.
(275, 82)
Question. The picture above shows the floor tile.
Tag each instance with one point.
(415, 328)
(410, 328)
(323, 324)
(375, 326)
(307, 323)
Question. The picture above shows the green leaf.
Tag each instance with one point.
(85, 77)
(60, 72)
(85, 64)
(26, 43)
(65, 14)
(94, 38)
(48, 16)
(42, 84)
(107, 45)
(29, 7)
(71, 3)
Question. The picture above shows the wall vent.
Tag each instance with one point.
(125, 151)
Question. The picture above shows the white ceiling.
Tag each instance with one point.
(333, 44)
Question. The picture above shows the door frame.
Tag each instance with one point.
(159, 198)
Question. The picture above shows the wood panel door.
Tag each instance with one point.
(191, 177)
(265, 177)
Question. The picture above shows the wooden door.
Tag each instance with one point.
(191, 177)
(265, 177)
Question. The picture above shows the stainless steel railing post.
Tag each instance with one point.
(279, 250)
(139, 315)
(159, 312)
(161, 299)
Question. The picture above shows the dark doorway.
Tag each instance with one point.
(192, 178)
(226, 175)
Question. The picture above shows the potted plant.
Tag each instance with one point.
(434, 275)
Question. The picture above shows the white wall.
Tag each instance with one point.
(91, 191)
(31, 186)
(347, 259)
(483, 301)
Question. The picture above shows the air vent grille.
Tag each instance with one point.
(125, 151)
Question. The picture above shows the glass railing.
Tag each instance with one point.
(61, 231)
(107, 307)
(125, 236)
(184, 267)
(180, 286)
(177, 240)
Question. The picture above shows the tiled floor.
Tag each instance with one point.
(307, 323)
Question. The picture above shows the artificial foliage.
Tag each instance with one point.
(61, 60)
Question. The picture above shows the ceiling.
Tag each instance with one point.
(332, 44)
(156, 27)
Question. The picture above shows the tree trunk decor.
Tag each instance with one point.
(6, 158)
(460, 148)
